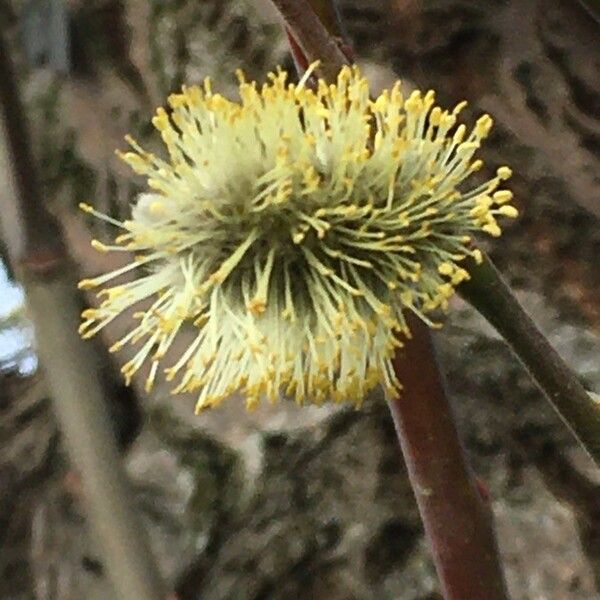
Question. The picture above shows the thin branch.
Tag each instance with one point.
(329, 16)
(311, 35)
(457, 521)
(490, 295)
(69, 363)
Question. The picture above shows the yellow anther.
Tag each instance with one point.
(161, 119)
(446, 268)
(459, 107)
(435, 117)
(493, 229)
(414, 103)
(116, 346)
(257, 306)
(503, 196)
(508, 211)
(477, 255)
(459, 276)
(87, 284)
(459, 134)
(504, 173)
(466, 148)
(483, 126)
(98, 245)
(446, 290)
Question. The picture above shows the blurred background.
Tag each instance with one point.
(310, 503)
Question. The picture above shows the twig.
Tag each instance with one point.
(69, 363)
(457, 522)
(490, 295)
(313, 38)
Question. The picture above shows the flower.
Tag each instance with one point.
(293, 230)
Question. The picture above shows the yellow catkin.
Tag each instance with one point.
(289, 233)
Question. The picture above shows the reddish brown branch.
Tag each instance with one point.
(458, 522)
(312, 36)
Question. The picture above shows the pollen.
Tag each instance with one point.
(289, 233)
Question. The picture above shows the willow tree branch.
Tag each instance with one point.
(457, 522)
(329, 16)
(69, 363)
(490, 295)
(311, 35)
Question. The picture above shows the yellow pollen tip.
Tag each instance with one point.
(483, 126)
(435, 117)
(257, 306)
(477, 255)
(460, 107)
(503, 196)
(98, 245)
(493, 229)
(87, 284)
(508, 211)
(504, 173)
(446, 269)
